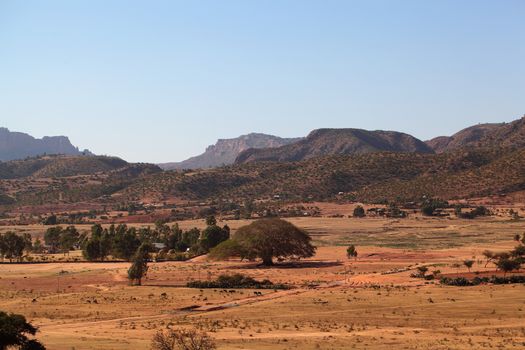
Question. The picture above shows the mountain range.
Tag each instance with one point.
(17, 145)
(255, 147)
(325, 142)
(368, 166)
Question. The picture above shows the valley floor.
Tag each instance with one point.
(336, 303)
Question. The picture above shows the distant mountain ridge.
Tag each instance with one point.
(18, 145)
(511, 135)
(324, 142)
(225, 151)
(466, 137)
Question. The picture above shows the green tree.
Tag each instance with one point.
(273, 238)
(359, 212)
(68, 239)
(99, 245)
(228, 249)
(212, 236)
(52, 238)
(125, 245)
(50, 220)
(14, 331)
(468, 264)
(428, 209)
(351, 252)
(489, 256)
(191, 237)
(37, 246)
(211, 221)
(422, 270)
(139, 265)
(12, 246)
(508, 265)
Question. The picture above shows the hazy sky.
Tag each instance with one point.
(160, 80)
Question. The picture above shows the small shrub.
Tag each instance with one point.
(182, 339)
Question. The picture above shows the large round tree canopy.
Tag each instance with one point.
(268, 239)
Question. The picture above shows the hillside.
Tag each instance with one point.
(51, 180)
(59, 166)
(511, 135)
(323, 142)
(225, 151)
(467, 137)
(17, 145)
(373, 177)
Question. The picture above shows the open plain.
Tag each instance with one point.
(370, 302)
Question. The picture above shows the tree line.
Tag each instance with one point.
(118, 241)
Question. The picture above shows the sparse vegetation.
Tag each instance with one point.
(182, 339)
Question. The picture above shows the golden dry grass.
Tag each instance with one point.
(336, 303)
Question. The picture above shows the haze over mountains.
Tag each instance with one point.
(18, 145)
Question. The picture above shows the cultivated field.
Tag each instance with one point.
(336, 303)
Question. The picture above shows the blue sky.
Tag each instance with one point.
(158, 81)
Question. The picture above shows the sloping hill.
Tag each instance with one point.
(509, 135)
(51, 180)
(59, 166)
(225, 151)
(323, 142)
(372, 177)
(17, 145)
(466, 137)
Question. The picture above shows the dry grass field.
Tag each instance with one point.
(336, 303)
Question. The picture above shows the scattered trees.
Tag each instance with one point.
(430, 206)
(478, 211)
(267, 239)
(63, 240)
(14, 331)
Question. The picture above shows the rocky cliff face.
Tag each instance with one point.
(225, 151)
(17, 145)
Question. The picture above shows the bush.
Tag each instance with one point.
(359, 212)
(236, 281)
(464, 282)
(182, 339)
